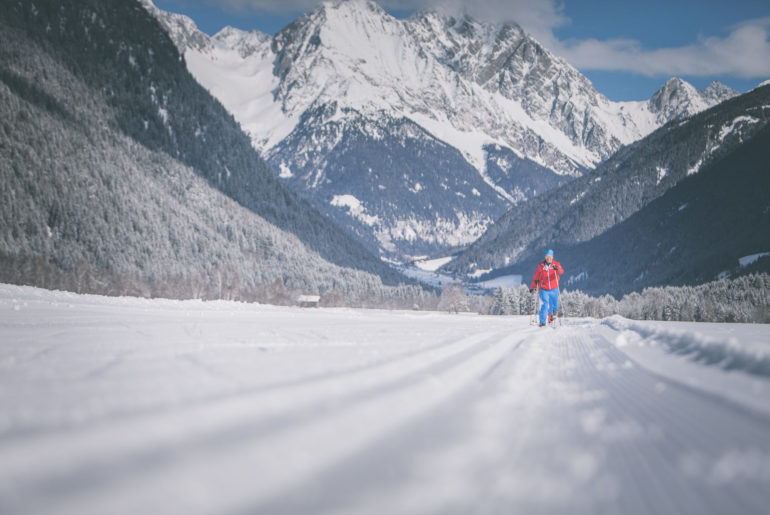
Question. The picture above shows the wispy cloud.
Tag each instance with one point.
(743, 52)
(538, 17)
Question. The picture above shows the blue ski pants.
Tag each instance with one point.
(549, 303)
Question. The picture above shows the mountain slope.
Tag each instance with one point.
(349, 71)
(631, 179)
(677, 99)
(116, 161)
(407, 202)
(698, 230)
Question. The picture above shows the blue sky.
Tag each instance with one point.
(627, 49)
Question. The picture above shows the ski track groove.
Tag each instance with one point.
(648, 459)
(497, 372)
(673, 427)
(494, 422)
(683, 430)
(126, 416)
(675, 424)
(108, 471)
(280, 503)
(485, 346)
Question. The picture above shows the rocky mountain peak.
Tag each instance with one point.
(181, 29)
(718, 92)
(246, 42)
(358, 8)
(339, 14)
(678, 99)
(344, 76)
(675, 90)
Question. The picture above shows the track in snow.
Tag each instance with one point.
(124, 405)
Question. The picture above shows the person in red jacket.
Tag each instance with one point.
(547, 277)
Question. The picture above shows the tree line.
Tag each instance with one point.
(743, 299)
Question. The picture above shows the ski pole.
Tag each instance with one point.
(531, 291)
(532, 302)
(531, 305)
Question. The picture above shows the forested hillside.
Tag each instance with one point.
(635, 176)
(121, 172)
(697, 231)
(713, 224)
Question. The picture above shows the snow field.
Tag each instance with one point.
(116, 405)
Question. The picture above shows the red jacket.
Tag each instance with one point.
(547, 275)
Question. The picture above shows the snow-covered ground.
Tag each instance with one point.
(504, 281)
(427, 271)
(116, 405)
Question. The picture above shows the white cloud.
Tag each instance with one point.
(744, 52)
(538, 17)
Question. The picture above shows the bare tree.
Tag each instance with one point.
(453, 298)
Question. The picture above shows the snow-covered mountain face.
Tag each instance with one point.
(678, 99)
(581, 211)
(349, 70)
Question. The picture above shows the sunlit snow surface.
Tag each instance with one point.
(115, 405)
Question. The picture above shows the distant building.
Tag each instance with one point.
(308, 301)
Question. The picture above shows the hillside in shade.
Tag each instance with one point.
(121, 172)
(713, 224)
(629, 181)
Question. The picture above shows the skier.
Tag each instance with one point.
(547, 276)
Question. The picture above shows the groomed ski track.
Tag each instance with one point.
(152, 406)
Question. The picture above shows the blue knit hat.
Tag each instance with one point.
(549, 252)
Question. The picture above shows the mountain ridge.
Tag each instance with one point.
(634, 177)
(476, 51)
(698, 231)
(468, 85)
(118, 163)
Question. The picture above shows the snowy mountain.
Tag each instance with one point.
(453, 86)
(122, 174)
(678, 99)
(631, 181)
